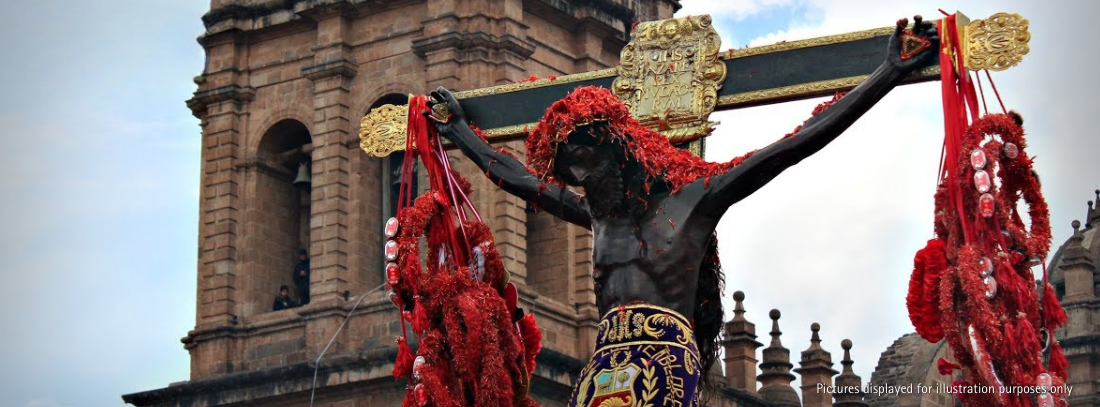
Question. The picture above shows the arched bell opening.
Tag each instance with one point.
(281, 211)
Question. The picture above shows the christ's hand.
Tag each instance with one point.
(922, 30)
(445, 111)
(504, 169)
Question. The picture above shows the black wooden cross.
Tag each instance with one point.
(753, 76)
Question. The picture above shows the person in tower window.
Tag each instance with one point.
(301, 276)
(283, 300)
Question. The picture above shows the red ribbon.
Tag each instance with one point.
(958, 95)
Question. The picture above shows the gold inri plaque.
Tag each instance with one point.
(670, 74)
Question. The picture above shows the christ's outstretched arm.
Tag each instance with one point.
(764, 165)
(507, 171)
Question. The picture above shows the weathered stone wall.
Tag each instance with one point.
(911, 360)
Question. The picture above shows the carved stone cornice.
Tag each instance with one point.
(329, 8)
(235, 11)
(268, 382)
(607, 11)
(465, 41)
(204, 98)
(364, 367)
(343, 67)
(619, 9)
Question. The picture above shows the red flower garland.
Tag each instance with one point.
(986, 304)
(662, 161)
(1006, 341)
(473, 354)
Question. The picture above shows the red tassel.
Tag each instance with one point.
(532, 340)
(419, 318)
(1010, 344)
(1059, 366)
(946, 368)
(402, 367)
(1053, 312)
(928, 267)
(1027, 338)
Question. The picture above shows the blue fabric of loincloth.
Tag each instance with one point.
(645, 356)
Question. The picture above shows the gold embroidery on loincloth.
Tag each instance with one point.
(649, 381)
(669, 321)
(624, 325)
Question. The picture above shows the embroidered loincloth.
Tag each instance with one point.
(645, 357)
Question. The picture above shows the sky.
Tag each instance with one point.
(832, 239)
(101, 185)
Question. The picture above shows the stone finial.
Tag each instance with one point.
(847, 362)
(1088, 216)
(775, 376)
(816, 369)
(850, 385)
(815, 340)
(738, 306)
(815, 350)
(739, 343)
(1093, 216)
(775, 332)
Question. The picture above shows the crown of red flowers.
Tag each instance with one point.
(590, 105)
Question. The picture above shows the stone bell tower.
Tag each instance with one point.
(1076, 280)
(279, 99)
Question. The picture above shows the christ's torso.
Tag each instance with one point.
(654, 258)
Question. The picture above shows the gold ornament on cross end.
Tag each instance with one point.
(383, 130)
(996, 43)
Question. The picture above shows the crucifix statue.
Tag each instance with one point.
(654, 247)
(653, 207)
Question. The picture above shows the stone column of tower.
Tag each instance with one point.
(223, 105)
(776, 374)
(739, 343)
(1079, 336)
(850, 385)
(816, 369)
(1078, 269)
(330, 75)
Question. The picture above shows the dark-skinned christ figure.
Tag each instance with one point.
(652, 209)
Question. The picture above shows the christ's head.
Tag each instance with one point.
(590, 160)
